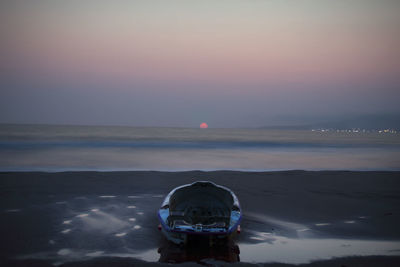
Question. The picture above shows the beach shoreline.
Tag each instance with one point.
(82, 217)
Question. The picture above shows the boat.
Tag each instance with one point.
(200, 209)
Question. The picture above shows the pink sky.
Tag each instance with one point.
(251, 48)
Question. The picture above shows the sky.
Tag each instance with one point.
(180, 63)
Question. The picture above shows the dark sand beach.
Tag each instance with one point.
(325, 218)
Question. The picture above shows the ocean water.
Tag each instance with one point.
(103, 148)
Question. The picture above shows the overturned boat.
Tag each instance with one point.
(201, 208)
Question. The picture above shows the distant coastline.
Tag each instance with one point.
(368, 122)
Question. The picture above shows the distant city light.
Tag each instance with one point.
(355, 130)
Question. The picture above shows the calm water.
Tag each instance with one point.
(57, 148)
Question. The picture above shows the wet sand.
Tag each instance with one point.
(109, 218)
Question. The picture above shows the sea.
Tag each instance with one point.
(54, 148)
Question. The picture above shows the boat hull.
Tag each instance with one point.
(201, 209)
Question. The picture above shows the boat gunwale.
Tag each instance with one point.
(224, 232)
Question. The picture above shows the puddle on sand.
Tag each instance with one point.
(150, 255)
(13, 210)
(95, 254)
(120, 234)
(66, 231)
(297, 251)
(274, 249)
(322, 224)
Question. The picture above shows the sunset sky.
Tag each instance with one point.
(180, 63)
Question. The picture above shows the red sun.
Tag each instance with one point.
(203, 125)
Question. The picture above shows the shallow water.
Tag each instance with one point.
(60, 148)
(296, 251)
